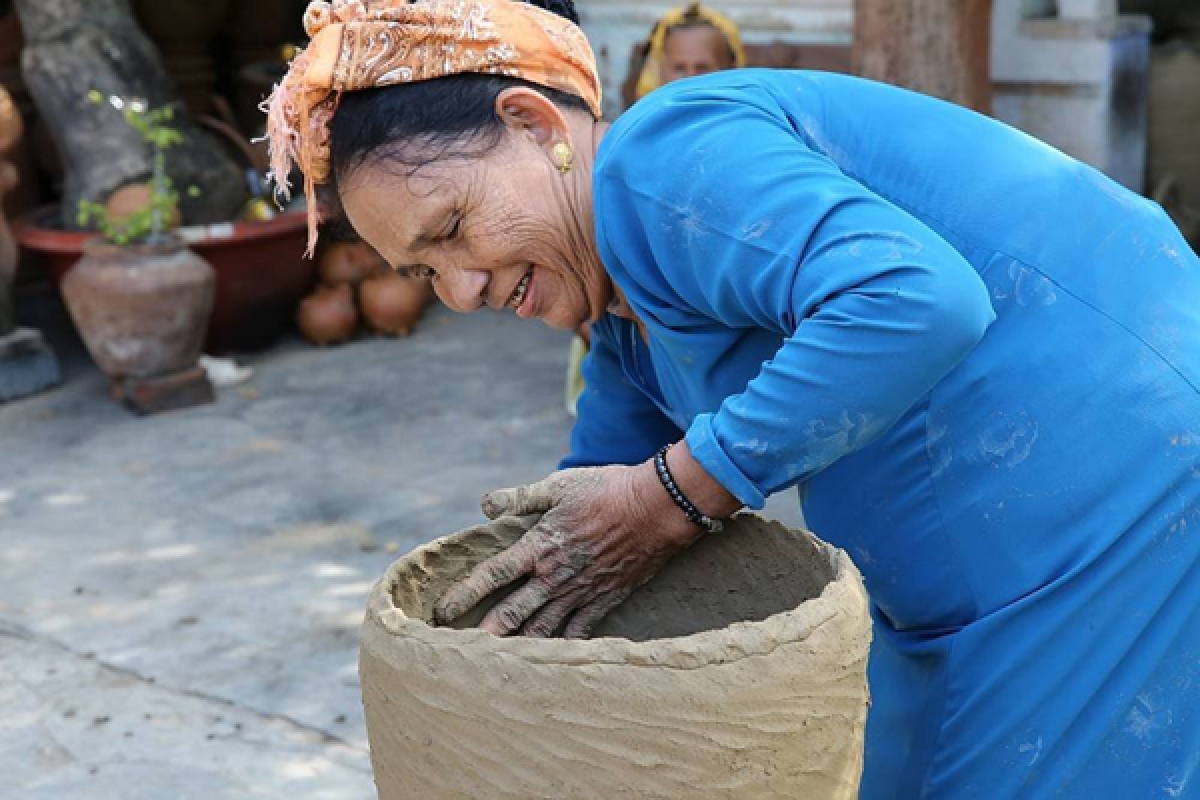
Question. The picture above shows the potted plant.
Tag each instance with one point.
(72, 46)
(139, 297)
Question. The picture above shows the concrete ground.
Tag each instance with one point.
(180, 595)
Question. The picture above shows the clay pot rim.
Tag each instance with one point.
(31, 232)
(844, 594)
(166, 244)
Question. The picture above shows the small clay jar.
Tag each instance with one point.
(393, 304)
(328, 316)
(143, 309)
(348, 263)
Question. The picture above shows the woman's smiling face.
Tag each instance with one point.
(500, 229)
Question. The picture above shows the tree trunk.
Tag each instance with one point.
(938, 47)
(75, 46)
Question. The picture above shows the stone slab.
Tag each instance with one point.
(27, 364)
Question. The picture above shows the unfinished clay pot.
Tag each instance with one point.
(328, 316)
(393, 304)
(348, 263)
(738, 672)
(142, 310)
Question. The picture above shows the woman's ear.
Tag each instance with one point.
(528, 111)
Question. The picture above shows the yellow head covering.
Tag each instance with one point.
(358, 44)
(691, 14)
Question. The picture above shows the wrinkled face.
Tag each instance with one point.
(495, 230)
(694, 50)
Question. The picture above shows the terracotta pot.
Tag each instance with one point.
(393, 304)
(142, 310)
(20, 143)
(328, 316)
(260, 266)
(132, 198)
(348, 263)
(12, 126)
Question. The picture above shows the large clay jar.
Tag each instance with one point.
(393, 304)
(739, 671)
(142, 310)
(328, 316)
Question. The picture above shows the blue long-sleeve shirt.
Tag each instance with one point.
(979, 358)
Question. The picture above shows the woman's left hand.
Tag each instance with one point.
(604, 531)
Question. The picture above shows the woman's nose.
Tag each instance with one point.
(464, 290)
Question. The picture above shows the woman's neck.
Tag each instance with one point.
(589, 139)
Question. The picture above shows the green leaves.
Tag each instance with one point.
(137, 226)
(149, 221)
(152, 124)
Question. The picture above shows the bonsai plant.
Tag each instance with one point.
(139, 297)
(121, 220)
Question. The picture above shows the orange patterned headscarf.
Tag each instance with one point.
(364, 44)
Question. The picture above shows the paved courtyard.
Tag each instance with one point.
(180, 595)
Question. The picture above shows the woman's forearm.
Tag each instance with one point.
(697, 485)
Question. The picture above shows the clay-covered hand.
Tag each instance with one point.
(604, 531)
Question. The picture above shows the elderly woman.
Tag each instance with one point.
(978, 359)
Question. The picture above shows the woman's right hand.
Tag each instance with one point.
(604, 531)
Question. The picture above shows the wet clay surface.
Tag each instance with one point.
(738, 672)
(752, 570)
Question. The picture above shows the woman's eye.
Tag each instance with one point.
(455, 228)
(419, 271)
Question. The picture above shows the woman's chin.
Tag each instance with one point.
(558, 323)
(560, 320)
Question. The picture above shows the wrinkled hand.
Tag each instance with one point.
(604, 531)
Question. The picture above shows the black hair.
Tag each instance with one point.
(455, 116)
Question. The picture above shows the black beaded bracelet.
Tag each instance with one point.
(694, 514)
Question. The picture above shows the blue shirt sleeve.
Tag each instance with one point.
(718, 206)
(617, 423)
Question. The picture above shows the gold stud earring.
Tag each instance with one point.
(563, 157)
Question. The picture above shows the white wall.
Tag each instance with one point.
(1078, 83)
